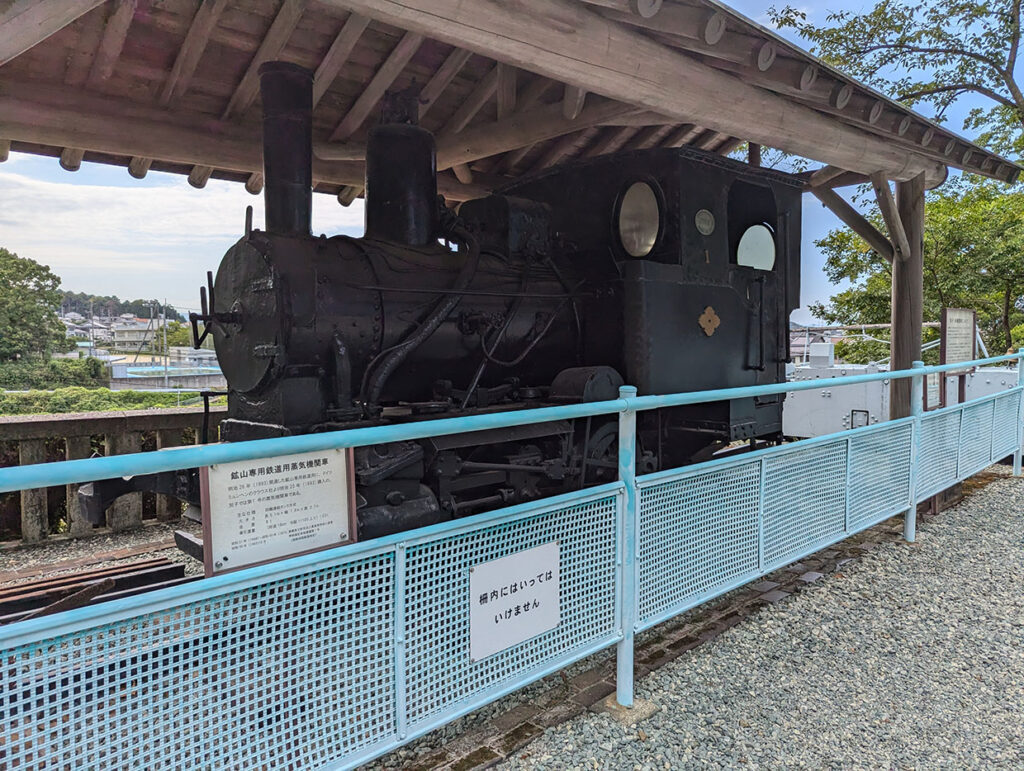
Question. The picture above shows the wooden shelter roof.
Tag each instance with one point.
(508, 88)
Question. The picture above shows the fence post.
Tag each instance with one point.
(627, 550)
(916, 410)
(1020, 414)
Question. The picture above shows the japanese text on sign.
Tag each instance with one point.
(958, 335)
(272, 508)
(513, 599)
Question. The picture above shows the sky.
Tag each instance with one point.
(105, 233)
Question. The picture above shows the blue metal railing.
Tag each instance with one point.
(262, 662)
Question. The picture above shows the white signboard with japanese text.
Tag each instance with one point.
(958, 336)
(257, 511)
(933, 391)
(513, 599)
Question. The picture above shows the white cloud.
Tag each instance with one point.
(137, 241)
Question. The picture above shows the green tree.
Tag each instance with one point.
(29, 298)
(973, 258)
(931, 52)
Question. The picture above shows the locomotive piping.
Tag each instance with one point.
(377, 374)
(287, 93)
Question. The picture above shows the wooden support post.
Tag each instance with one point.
(168, 508)
(35, 520)
(76, 448)
(753, 153)
(126, 513)
(907, 294)
(891, 215)
(5, 149)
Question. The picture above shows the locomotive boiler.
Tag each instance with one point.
(669, 269)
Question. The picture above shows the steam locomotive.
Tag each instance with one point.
(669, 269)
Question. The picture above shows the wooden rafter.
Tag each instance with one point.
(572, 101)
(682, 135)
(191, 50)
(381, 82)
(572, 43)
(114, 34)
(336, 56)
(527, 128)
(441, 78)
(506, 90)
(273, 43)
(26, 23)
(611, 140)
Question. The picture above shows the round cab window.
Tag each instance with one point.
(757, 248)
(639, 219)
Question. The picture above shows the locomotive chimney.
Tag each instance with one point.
(401, 181)
(287, 93)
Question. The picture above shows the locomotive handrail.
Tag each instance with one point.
(73, 471)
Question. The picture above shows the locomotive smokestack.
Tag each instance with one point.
(287, 93)
(401, 184)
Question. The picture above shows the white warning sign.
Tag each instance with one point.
(513, 599)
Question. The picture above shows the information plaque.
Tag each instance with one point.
(258, 511)
(958, 337)
(513, 599)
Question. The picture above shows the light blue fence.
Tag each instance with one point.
(331, 659)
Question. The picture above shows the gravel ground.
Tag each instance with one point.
(912, 657)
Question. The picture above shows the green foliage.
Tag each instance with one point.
(55, 373)
(29, 296)
(931, 52)
(973, 258)
(78, 399)
(111, 305)
(178, 334)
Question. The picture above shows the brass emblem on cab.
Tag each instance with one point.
(709, 321)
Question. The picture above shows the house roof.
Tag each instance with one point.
(508, 89)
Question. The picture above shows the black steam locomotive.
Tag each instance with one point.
(669, 269)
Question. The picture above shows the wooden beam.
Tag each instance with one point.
(506, 90)
(907, 294)
(729, 144)
(854, 221)
(521, 129)
(199, 176)
(683, 135)
(349, 193)
(25, 23)
(60, 116)
(112, 42)
(191, 50)
(529, 98)
(274, 41)
(336, 56)
(572, 101)
(891, 215)
(567, 145)
(439, 80)
(254, 184)
(573, 44)
(139, 167)
(610, 141)
(648, 137)
(645, 9)
(5, 149)
(381, 82)
(71, 158)
(477, 98)
(824, 175)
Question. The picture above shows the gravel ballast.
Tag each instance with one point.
(912, 657)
